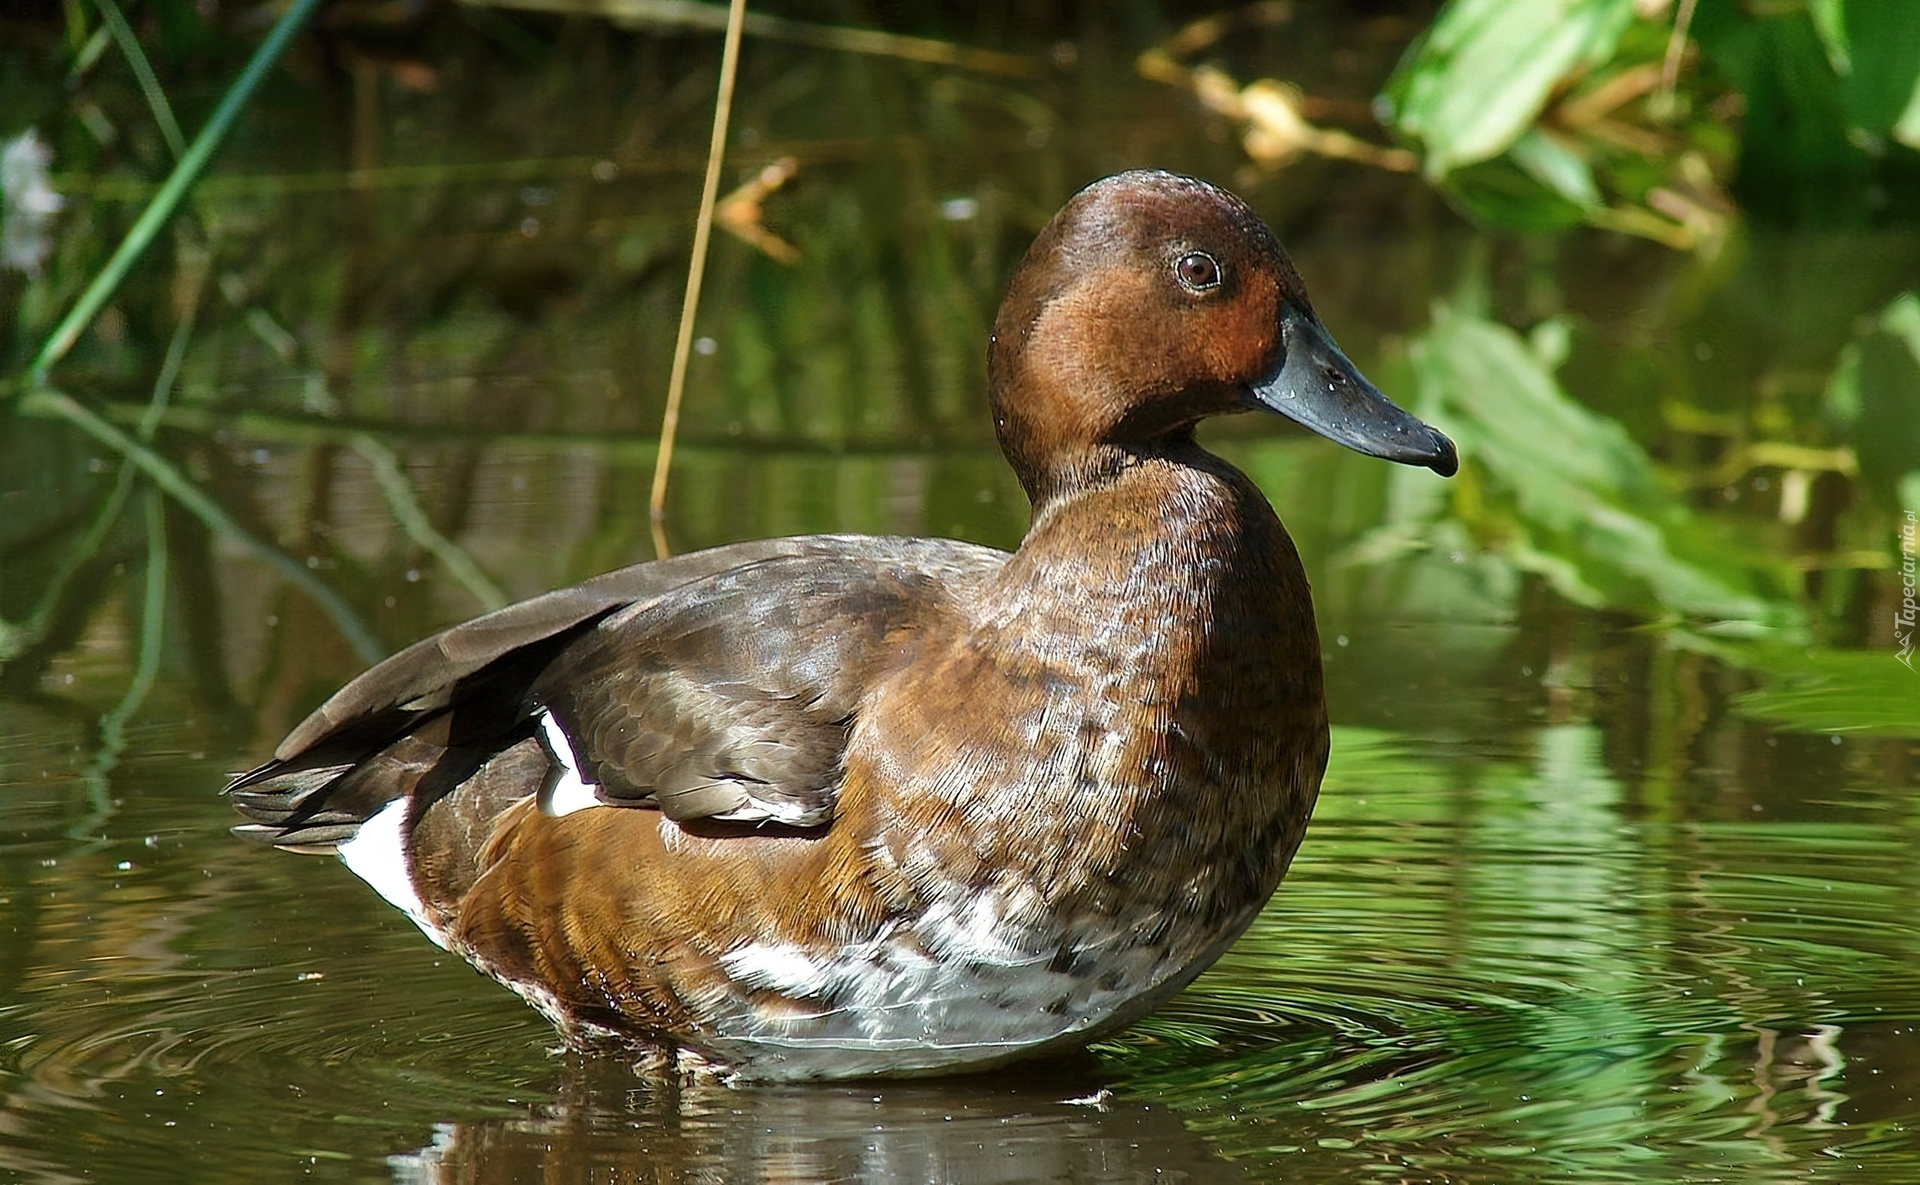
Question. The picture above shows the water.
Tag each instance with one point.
(1592, 894)
(1488, 964)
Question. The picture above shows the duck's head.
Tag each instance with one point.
(1152, 301)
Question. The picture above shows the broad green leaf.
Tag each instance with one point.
(1487, 68)
(1830, 22)
(1883, 59)
(1567, 493)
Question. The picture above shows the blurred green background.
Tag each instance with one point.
(1614, 704)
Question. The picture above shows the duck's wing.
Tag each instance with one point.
(732, 699)
(424, 675)
(720, 684)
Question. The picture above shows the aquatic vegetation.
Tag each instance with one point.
(1626, 741)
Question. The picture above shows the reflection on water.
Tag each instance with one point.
(1570, 910)
(1483, 968)
(1547, 985)
(1054, 1125)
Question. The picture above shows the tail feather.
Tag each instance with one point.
(319, 799)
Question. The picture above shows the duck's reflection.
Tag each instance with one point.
(1056, 1124)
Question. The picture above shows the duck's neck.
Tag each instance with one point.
(1165, 522)
(1168, 564)
(1163, 617)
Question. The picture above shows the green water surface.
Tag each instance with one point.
(1614, 876)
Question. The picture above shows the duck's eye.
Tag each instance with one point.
(1197, 271)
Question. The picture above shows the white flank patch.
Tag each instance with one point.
(569, 792)
(979, 928)
(779, 967)
(377, 854)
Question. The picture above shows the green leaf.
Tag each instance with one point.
(1830, 23)
(1907, 129)
(1499, 193)
(1551, 162)
(1487, 68)
(1567, 494)
(1883, 42)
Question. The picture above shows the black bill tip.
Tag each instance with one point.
(1316, 387)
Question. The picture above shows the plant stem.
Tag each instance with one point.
(14, 639)
(153, 621)
(116, 23)
(178, 182)
(413, 520)
(696, 271)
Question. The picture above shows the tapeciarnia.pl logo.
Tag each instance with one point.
(1908, 611)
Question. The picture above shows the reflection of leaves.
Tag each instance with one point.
(1863, 692)
(1563, 492)
(1875, 391)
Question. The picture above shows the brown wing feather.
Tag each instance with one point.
(732, 698)
(421, 676)
(716, 684)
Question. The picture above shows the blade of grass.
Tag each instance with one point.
(15, 639)
(58, 404)
(89, 54)
(1662, 101)
(116, 23)
(696, 271)
(178, 182)
(406, 511)
(153, 622)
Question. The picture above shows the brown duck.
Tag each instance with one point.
(836, 805)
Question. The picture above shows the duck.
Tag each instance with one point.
(841, 806)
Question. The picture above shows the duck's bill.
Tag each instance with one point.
(1318, 388)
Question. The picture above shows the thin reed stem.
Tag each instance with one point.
(116, 24)
(696, 272)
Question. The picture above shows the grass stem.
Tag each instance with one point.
(696, 271)
(116, 24)
(55, 404)
(413, 520)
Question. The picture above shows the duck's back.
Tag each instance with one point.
(715, 687)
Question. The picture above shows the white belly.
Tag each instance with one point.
(894, 1006)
